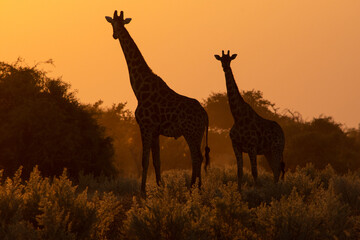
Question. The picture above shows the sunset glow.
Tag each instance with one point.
(303, 55)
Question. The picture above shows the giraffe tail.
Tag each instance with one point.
(207, 149)
(282, 166)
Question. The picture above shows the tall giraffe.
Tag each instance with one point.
(160, 110)
(251, 133)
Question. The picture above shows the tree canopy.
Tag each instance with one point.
(42, 123)
(320, 141)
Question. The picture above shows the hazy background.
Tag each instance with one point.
(303, 55)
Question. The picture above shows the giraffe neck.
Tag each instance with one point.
(137, 66)
(236, 101)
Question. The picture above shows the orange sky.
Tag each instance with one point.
(302, 54)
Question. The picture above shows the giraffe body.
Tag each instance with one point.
(251, 133)
(160, 110)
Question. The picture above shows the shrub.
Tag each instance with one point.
(294, 218)
(41, 208)
(347, 187)
(42, 123)
(309, 204)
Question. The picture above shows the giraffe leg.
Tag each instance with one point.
(252, 156)
(196, 158)
(146, 142)
(194, 172)
(198, 167)
(239, 161)
(155, 150)
(274, 160)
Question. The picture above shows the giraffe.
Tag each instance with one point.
(160, 110)
(251, 133)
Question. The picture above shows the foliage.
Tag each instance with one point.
(43, 208)
(42, 123)
(217, 107)
(120, 125)
(320, 141)
(309, 204)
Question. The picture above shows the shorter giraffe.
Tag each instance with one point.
(251, 133)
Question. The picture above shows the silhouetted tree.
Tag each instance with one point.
(321, 141)
(217, 107)
(121, 126)
(42, 123)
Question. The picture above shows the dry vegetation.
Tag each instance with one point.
(309, 204)
(42, 123)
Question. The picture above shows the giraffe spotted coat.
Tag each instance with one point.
(251, 133)
(160, 110)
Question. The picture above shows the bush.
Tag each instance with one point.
(321, 141)
(43, 124)
(293, 217)
(304, 206)
(41, 208)
(309, 204)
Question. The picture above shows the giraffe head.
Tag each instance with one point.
(117, 23)
(225, 59)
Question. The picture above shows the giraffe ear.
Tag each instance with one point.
(217, 57)
(233, 56)
(109, 19)
(127, 21)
